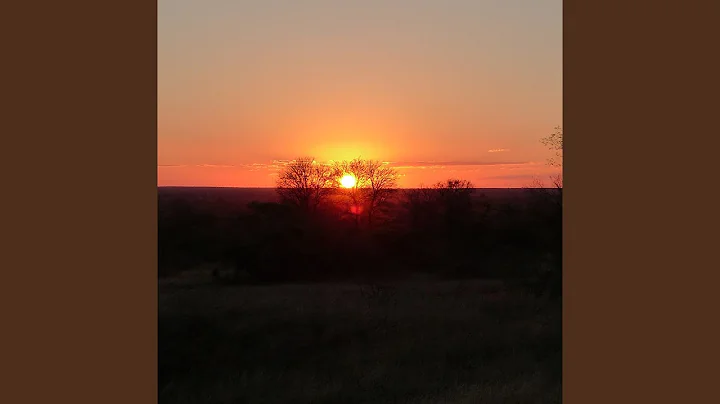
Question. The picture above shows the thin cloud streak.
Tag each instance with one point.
(209, 165)
(431, 164)
(278, 164)
(512, 176)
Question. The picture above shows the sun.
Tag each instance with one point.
(348, 181)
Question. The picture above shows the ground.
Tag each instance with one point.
(419, 341)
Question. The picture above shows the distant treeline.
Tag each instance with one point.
(451, 230)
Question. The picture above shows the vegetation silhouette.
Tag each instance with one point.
(305, 183)
(445, 293)
(316, 230)
(554, 142)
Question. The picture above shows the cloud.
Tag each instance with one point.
(443, 164)
(214, 165)
(511, 177)
(197, 165)
(498, 150)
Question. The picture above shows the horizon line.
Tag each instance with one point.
(240, 187)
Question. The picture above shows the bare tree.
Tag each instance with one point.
(455, 187)
(547, 194)
(419, 203)
(455, 197)
(554, 142)
(557, 181)
(305, 183)
(355, 168)
(382, 181)
(553, 193)
(447, 205)
(374, 183)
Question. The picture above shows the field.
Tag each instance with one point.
(412, 342)
(453, 300)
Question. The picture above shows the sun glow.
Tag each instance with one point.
(348, 181)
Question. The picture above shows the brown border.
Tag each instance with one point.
(80, 270)
(80, 277)
(637, 110)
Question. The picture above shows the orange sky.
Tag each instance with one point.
(457, 88)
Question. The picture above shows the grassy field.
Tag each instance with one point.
(413, 342)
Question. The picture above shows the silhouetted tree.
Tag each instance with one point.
(354, 168)
(374, 183)
(419, 203)
(553, 193)
(305, 183)
(450, 201)
(382, 183)
(455, 187)
(455, 200)
(554, 142)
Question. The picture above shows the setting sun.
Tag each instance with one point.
(348, 181)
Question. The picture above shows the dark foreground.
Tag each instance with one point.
(418, 341)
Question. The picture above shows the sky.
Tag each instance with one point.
(438, 89)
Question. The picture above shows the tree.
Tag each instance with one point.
(305, 183)
(420, 204)
(455, 199)
(450, 201)
(455, 187)
(382, 181)
(455, 195)
(554, 142)
(354, 168)
(374, 183)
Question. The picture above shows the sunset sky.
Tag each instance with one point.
(444, 88)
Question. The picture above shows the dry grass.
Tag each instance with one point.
(411, 342)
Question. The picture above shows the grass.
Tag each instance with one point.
(411, 342)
